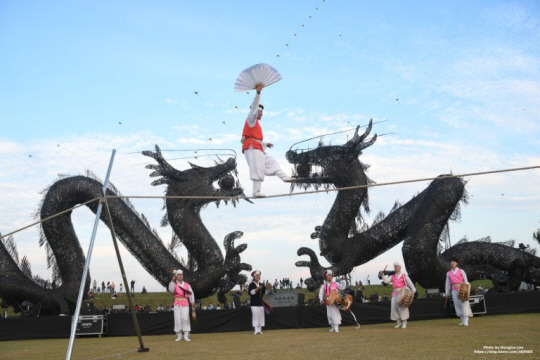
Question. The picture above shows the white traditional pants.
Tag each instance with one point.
(181, 319)
(257, 316)
(398, 312)
(463, 308)
(261, 165)
(333, 314)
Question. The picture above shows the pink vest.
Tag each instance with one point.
(398, 283)
(180, 297)
(455, 279)
(328, 289)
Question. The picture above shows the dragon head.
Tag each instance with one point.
(329, 164)
(198, 182)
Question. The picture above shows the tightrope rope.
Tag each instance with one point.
(230, 198)
(325, 190)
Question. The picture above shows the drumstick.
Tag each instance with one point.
(381, 274)
(445, 301)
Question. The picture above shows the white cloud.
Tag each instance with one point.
(171, 101)
(193, 129)
(192, 141)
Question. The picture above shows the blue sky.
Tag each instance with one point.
(458, 84)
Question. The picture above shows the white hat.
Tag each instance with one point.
(179, 272)
(255, 272)
(327, 272)
(397, 263)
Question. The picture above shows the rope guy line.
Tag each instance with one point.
(51, 217)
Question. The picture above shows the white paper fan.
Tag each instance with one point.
(257, 74)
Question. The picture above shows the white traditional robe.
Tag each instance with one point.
(332, 311)
(260, 164)
(181, 313)
(463, 308)
(399, 313)
(257, 312)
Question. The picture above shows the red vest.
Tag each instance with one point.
(251, 135)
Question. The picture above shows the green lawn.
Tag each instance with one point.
(433, 339)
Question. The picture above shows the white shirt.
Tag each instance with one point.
(254, 111)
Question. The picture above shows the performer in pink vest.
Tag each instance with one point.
(454, 277)
(399, 281)
(260, 164)
(183, 296)
(332, 311)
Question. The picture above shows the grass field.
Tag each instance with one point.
(433, 339)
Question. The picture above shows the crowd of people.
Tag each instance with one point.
(110, 287)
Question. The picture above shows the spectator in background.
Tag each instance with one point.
(103, 286)
(144, 290)
(132, 286)
(121, 287)
(210, 306)
(94, 287)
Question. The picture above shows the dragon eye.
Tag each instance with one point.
(226, 182)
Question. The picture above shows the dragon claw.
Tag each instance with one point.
(240, 248)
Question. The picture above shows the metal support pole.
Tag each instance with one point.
(80, 297)
(128, 291)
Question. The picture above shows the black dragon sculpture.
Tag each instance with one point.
(206, 268)
(346, 241)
